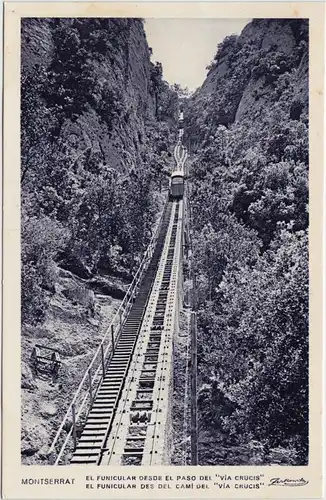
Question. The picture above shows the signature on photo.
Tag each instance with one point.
(277, 481)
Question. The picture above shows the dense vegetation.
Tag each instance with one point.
(96, 124)
(96, 144)
(248, 126)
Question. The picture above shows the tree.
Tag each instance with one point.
(249, 188)
(156, 80)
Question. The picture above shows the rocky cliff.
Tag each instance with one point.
(248, 130)
(89, 118)
(115, 56)
(250, 73)
(97, 125)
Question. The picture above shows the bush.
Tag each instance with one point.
(42, 238)
(250, 222)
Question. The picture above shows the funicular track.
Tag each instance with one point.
(99, 421)
(99, 441)
(121, 411)
(139, 433)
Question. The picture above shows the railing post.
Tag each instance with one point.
(90, 387)
(72, 407)
(112, 338)
(194, 424)
(74, 430)
(103, 363)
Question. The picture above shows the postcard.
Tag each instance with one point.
(162, 251)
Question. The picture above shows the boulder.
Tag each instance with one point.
(48, 409)
(74, 265)
(27, 379)
(105, 287)
(34, 439)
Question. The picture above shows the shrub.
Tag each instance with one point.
(42, 238)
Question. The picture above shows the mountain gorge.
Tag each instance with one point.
(98, 127)
(248, 130)
(90, 135)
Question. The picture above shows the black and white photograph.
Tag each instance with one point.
(164, 204)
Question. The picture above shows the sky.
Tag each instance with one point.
(186, 46)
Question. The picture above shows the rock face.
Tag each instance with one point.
(27, 380)
(94, 147)
(126, 73)
(248, 127)
(37, 43)
(243, 76)
(93, 156)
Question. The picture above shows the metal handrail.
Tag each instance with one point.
(102, 355)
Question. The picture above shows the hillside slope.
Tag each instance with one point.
(97, 128)
(248, 130)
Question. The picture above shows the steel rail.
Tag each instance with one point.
(102, 413)
(161, 413)
(101, 410)
(114, 327)
(120, 425)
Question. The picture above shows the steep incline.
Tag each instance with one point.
(94, 158)
(248, 128)
(250, 73)
(116, 82)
